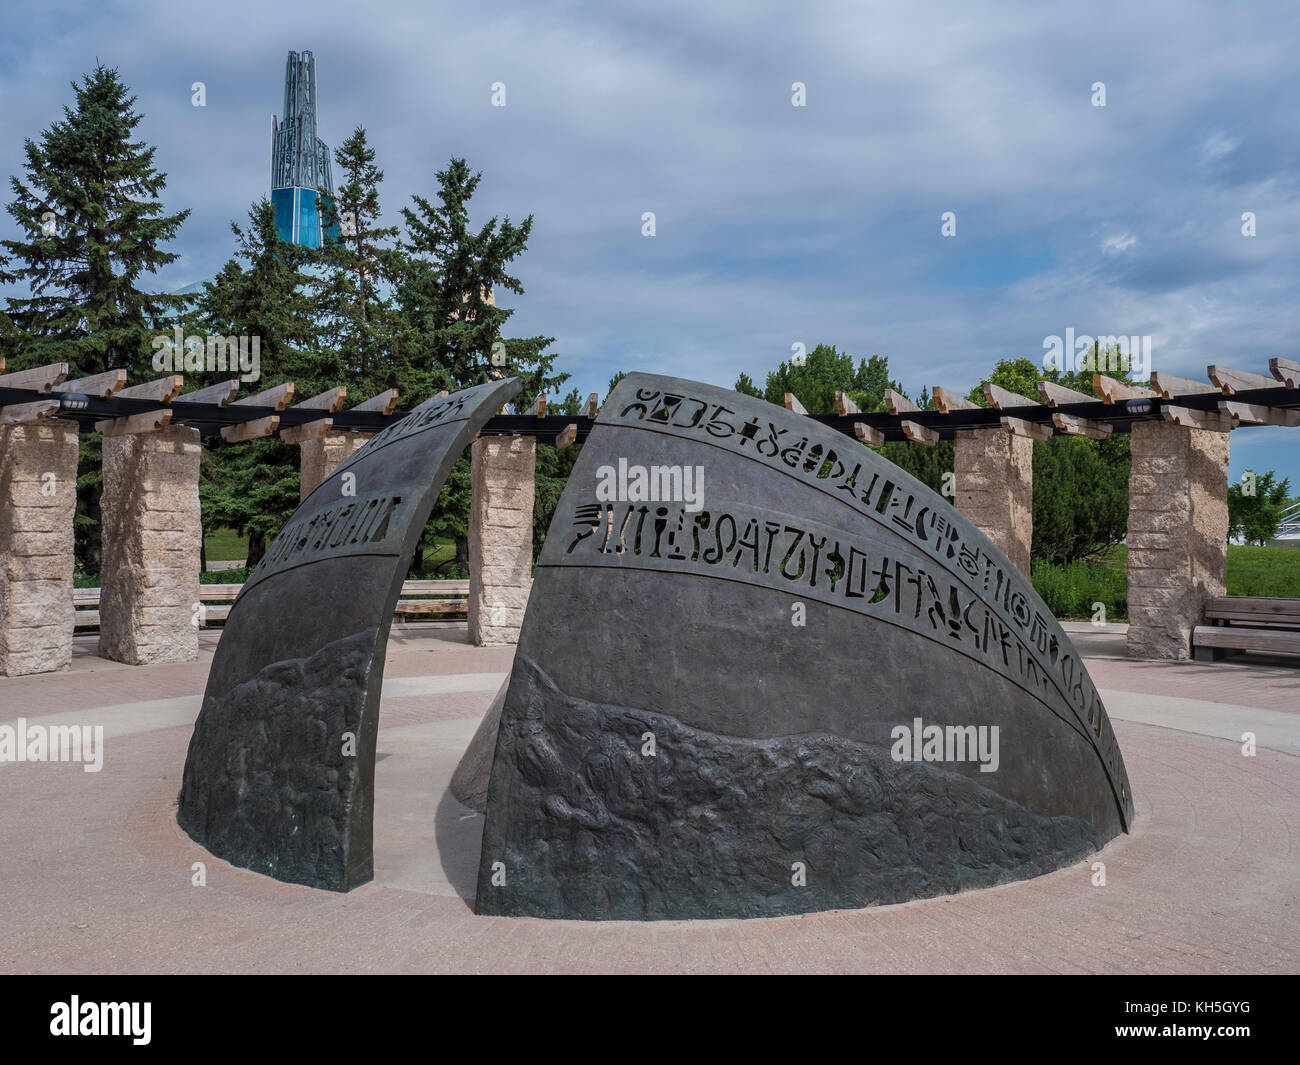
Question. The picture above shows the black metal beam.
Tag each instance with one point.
(209, 418)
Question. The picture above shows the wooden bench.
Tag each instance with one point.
(1245, 623)
(418, 599)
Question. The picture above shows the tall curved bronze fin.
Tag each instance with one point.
(281, 766)
(711, 710)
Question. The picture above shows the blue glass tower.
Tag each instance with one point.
(300, 160)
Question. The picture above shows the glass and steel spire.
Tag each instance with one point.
(300, 160)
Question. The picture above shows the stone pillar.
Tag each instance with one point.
(322, 455)
(151, 531)
(993, 471)
(500, 536)
(1177, 535)
(38, 501)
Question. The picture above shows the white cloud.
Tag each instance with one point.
(775, 223)
(1122, 242)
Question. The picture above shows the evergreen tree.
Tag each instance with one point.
(827, 371)
(253, 486)
(448, 286)
(746, 387)
(449, 325)
(93, 225)
(354, 306)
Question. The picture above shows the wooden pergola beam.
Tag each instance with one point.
(330, 401)
(868, 435)
(845, 406)
(161, 390)
(1284, 370)
(919, 433)
(20, 413)
(1112, 391)
(897, 403)
(101, 385)
(1054, 395)
(1170, 386)
(566, 436)
(537, 409)
(793, 405)
(592, 406)
(298, 434)
(1032, 430)
(1215, 421)
(278, 397)
(37, 379)
(220, 394)
(253, 430)
(384, 403)
(948, 401)
(1073, 426)
(146, 422)
(1232, 381)
(1254, 414)
(1002, 399)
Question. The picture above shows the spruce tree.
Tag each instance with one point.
(447, 292)
(252, 487)
(93, 225)
(450, 327)
(355, 313)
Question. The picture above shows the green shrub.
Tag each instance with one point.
(1071, 589)
(225, 576)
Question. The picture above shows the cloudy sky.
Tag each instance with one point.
(775, 224)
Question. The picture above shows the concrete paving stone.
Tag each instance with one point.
(1207, 881)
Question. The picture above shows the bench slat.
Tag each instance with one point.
(435, 587)
(221, 593)
(215, 596)
(1246, 639)
(1260, 607)
(431, 606)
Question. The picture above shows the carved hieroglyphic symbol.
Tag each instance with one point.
(280, 772)
(676, 619)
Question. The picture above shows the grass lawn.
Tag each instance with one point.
(1264, 571)
(1071, 591)
(226, 545)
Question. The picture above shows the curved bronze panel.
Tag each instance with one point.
(703, 718)
(281, 766)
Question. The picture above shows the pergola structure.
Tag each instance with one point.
(1177, 530)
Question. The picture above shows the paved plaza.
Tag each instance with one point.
(97, 875)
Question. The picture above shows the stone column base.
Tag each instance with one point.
(38, 502)
(1177, 535)
(503, 470)
(994, 474)
(151, 528)
(322, 455)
